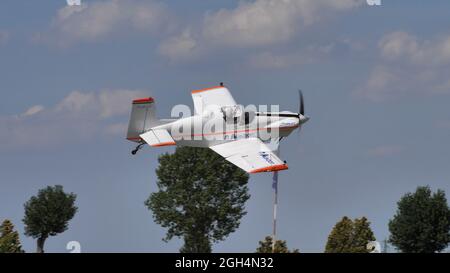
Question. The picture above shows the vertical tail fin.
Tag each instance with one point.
(143, 117)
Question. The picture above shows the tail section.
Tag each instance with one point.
(158, 138)
(143, 117)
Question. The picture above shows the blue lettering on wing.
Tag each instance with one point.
(266, 157)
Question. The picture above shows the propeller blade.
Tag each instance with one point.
(302, 105)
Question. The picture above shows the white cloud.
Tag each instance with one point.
(99, 19)
(308, 55)
(33, 110)
(77, 102)
(257, 24)
(266, 22)
(105, 104)
(78, 116)
(408, 65)
(398, 44)
(384, 82)
(178, 47)
(117, 102)
(406, 47)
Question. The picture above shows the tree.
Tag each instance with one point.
(201, 197)
(422, 222)
(9, 238)
(48, 214)
(362, 235)
(280, 246)
(350, 236)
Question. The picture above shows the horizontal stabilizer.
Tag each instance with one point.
(158, 137)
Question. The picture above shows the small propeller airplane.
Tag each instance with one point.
(251, 144)
(73, 2)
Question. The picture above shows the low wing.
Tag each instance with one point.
(251, 155)
(217, 95)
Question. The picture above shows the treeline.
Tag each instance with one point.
(420, 225)
(201, 199)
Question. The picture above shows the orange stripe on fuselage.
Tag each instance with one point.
(220, 133)
(245, 131)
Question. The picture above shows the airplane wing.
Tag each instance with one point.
(217, 95)
(251, 155)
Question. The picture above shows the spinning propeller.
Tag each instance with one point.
(301, 111)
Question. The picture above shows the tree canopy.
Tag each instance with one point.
(48, 214)
(350, 236)
(280, 246)
(200, 197)
(9, 238)
(422, 222)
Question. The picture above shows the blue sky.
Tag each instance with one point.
(375, 81)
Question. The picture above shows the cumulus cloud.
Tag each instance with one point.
(180, 46)
(408, 65)
(77, 102)
(105, 104)
(257, 24)
(266, 22)
(307, 55)
(117, 102)
(96, 20)
(386, 82)
(78, 116)
(407, 47)
(33, 110)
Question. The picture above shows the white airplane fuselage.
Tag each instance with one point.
(208, 129)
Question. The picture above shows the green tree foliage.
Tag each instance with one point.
(362, 235)
(48, 214)
(201, 197)
(9, 239)
(350, 236)
(280, 246)
(422, 222)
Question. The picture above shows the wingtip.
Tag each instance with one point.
(169, 143)
(273, 168)
(207, 89)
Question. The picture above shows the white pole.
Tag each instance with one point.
(275, 202)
